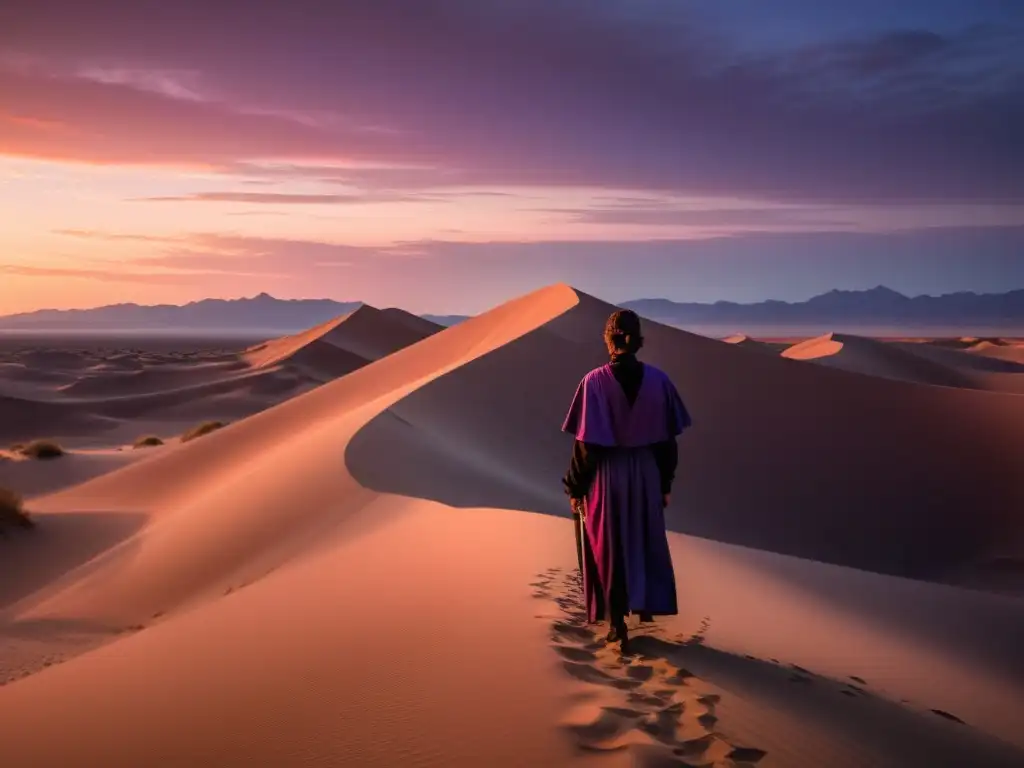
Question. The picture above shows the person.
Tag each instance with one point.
(625, 418)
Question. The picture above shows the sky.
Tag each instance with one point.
(447, 155)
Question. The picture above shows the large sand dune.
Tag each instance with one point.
(358, 576)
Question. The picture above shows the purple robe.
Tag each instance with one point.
(624, 511)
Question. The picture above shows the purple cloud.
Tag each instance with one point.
(283, 198)
(599, 93)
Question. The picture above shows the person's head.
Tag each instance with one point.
(622, 333)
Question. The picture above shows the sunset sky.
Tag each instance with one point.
(445, 155)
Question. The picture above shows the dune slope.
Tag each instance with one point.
(839, 468)
(305, 590)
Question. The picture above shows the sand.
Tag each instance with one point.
(377, 571)
(922, 362)
(745, 342)
(100, 399)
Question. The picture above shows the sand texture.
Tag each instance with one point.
(371, 564)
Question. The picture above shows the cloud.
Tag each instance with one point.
(109, 275)
(732, 218)
(113, 123)
(204, 253)
(282, 198)
(92, 234)
(573, 93)
(175, 85)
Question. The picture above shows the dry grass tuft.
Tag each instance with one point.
(149, 441)
(202, 429)
(42, 449)
(12, 512)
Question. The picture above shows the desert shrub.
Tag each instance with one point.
(12, 513)
(17, 447)
(202, 429)
(42, 449)
(149, 441)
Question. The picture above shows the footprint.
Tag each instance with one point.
(663, 727)
(602, 732)
(587, 673)
(710, 746)
(679, 677)
(746, 755)
(708, 720)
(640, 672)
(654, 721)
(647, 700)
(575, 654)
(626, 685)
(573, 631)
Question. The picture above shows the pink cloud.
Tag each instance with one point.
(110, 275)
(282, 198)
(74, 119)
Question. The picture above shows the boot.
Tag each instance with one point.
(619, 633)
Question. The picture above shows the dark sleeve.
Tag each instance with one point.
(666, 455)
(581, 469)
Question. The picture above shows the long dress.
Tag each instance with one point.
(627, 563)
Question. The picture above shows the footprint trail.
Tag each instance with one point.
(660, 712)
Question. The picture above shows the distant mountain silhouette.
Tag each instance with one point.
(877, 307)
(258, 314)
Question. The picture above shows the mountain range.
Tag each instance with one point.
(878, 307)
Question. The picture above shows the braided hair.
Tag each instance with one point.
(622, 333)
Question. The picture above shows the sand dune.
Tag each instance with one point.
(875, 358)
(918, 362)
(365, 334)
(1013, 353)
(88, 390)
(345, 579)
(745, 342)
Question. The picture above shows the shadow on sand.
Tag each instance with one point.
(58, 544)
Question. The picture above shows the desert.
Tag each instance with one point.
(370, 562)
(491, 384)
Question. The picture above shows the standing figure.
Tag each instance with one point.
(625, 417)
